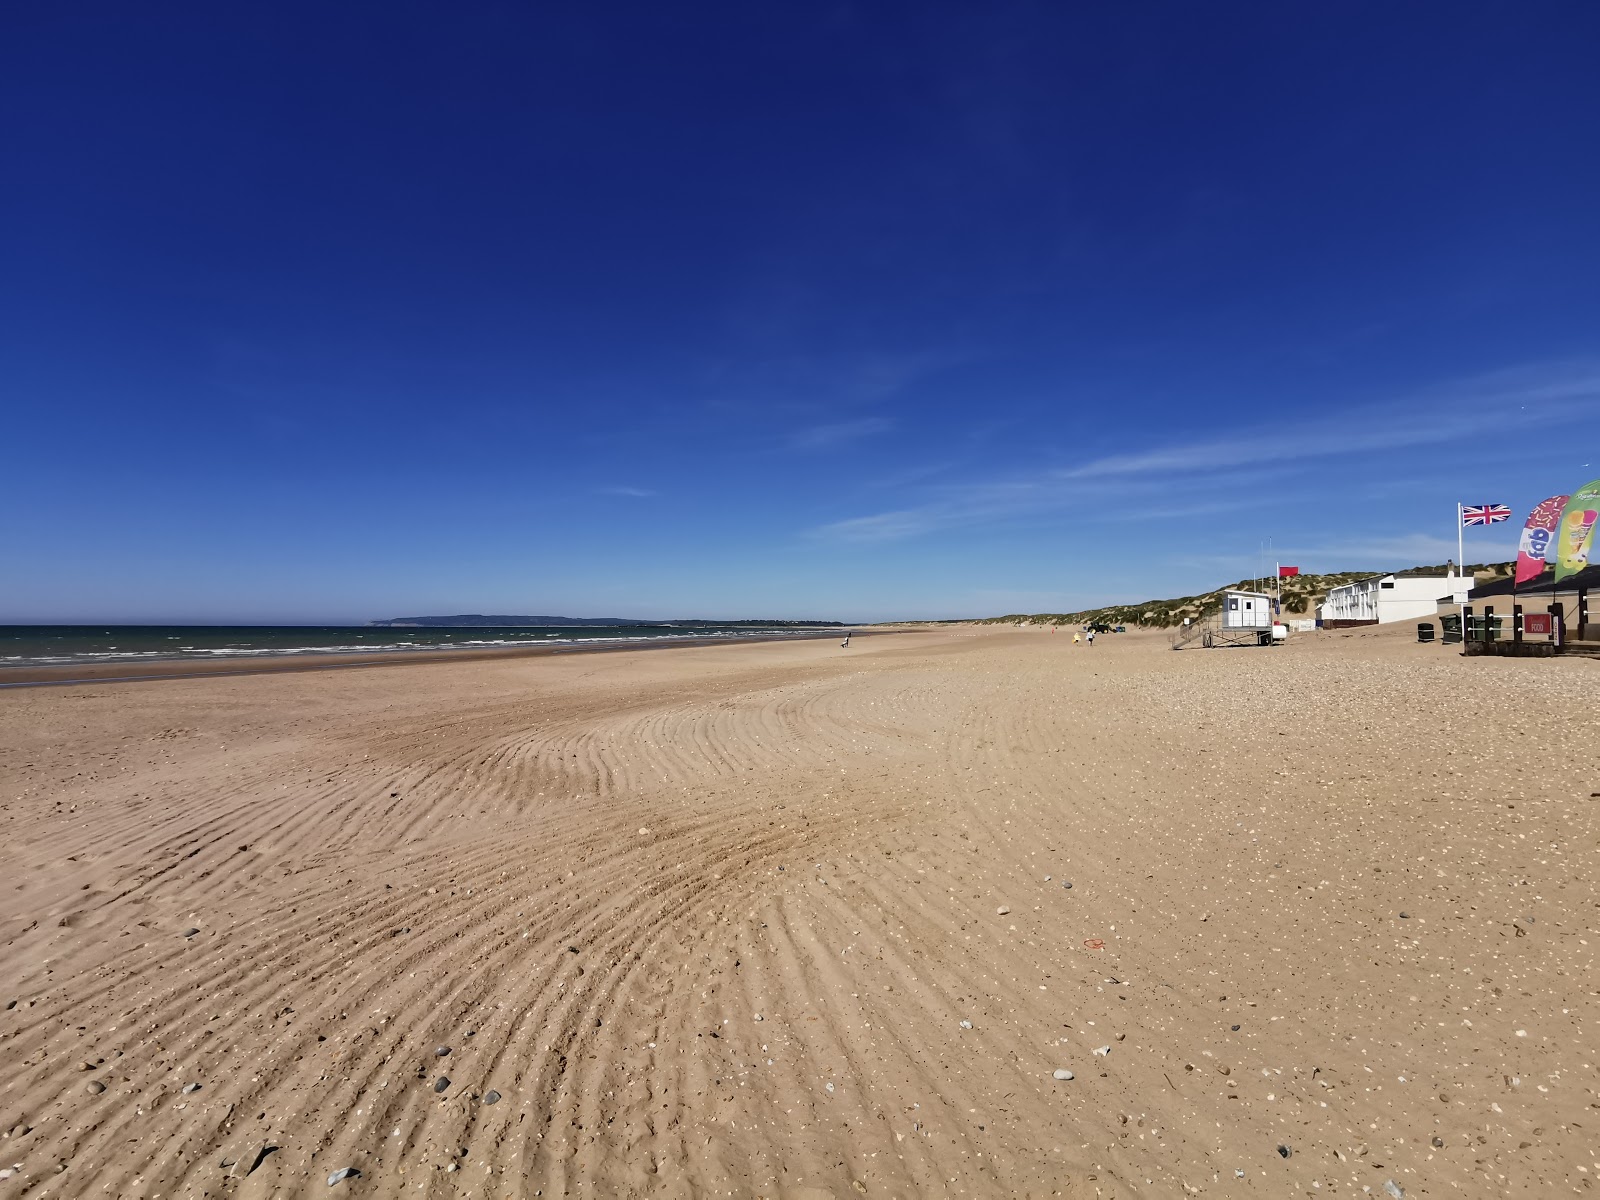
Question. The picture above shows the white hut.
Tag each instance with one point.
(1246, 611)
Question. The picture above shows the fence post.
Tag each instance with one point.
(1558, 623)
(1488, 622)
(1516, 623)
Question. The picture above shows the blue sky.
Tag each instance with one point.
(333, 312)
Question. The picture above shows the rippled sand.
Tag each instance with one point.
(710, 922)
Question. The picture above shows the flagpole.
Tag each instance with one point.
(1461, 573)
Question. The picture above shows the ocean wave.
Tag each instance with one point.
(242, 649)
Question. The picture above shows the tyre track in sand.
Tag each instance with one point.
(588, 880)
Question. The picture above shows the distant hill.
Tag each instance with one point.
(1301, 595)
(485, 621)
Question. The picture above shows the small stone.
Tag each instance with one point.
(1068, 885)
(441, 1052)
(829, 1088)
(1064, 1074)
(94, 1087)
(1103, 1051)
(966, 1024)
(1405, 916)
(256, 1159)
(1284, 1152)
(1002, 910)
(1438, 1142)
(1394, 1189)
(442, 1083)
(1047, 879)
(342, 1174)
(86, 1066)
(1238, 1173)
(491, 1097)
(189, 933)
(759, 1017)
(1236, 1029)
(858, 1185)
(190, 1089)
(450, 1168)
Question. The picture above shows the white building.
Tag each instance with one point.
(1246, 610)
(1403, 596)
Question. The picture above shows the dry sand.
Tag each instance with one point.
(713, 921)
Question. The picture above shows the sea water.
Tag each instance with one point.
(52, 645)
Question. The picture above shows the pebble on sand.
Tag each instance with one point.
(1394, 1189)
(341, 1174)
(1284, 1152)
(189, 933)
(94, 1087)
(1002, 910)
(441, 1052)
(966, 1024)
(443, 1082)
(1065, 1074)
(190, 1089)
(491, 1097)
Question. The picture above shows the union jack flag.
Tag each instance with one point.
(1484, 514)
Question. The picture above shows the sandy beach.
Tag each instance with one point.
(786, 920)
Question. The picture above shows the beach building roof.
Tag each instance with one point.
(1587, 579)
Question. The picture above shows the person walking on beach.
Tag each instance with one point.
(1090, 636)
(845, 645)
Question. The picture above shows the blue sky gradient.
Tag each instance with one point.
(326, 313)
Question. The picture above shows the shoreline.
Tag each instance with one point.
(161, 670)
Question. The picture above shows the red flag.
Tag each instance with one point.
(1287, 572)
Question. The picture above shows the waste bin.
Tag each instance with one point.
(1424, 631)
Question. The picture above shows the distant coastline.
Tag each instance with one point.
(483, 621)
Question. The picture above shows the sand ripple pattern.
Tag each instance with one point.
(714, 925)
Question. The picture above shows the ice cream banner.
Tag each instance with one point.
(1575, 534)
(1537, 537)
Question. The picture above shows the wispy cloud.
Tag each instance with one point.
(842, 433)
(1402, 550)
(1479, 409)
(1468, 409)
(637, 493)
(880, 527)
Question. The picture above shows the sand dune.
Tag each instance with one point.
(710, 922)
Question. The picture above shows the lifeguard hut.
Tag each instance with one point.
(1246, 619)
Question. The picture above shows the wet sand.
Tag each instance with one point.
(790, 920)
